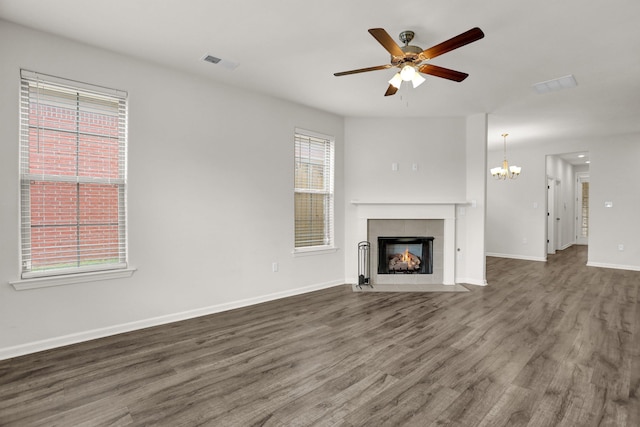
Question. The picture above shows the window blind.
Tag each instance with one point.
(314, 170)
(73, 176)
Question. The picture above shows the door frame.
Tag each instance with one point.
(551, 228)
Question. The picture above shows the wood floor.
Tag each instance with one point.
(545, 344)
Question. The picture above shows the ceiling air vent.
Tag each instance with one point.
(211, 59)
(560, 83)
(225, 63)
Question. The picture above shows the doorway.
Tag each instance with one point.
(567, 179)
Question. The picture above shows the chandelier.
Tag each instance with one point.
(505, 171)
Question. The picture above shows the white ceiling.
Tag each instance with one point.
(291, 48)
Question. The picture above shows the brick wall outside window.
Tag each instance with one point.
(73, 202)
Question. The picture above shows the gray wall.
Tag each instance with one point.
(450, 154)
(210, 188)
(613, 177)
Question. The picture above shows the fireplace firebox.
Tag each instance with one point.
(405, 255)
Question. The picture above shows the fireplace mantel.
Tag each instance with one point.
(444, 210)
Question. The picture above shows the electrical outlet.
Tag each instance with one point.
(621, 247)
(274, 267)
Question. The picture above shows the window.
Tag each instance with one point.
(72, 176)
(314, 154)
(584, 209)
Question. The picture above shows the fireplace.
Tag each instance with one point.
(405, 255)
(420, 240)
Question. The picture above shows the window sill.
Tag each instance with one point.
(45, 282)
(318, 250)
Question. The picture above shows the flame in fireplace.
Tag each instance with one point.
(405, 255)
(406, 258)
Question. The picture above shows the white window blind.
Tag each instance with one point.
(314, 170)
(73, 179)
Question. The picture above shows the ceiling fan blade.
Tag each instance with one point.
(391, 90)
(445, 73)
(386, 41)
(363, 70)
(453, 43)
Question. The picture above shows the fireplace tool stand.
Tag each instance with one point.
(364, 265)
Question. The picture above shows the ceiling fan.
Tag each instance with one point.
(411, 60)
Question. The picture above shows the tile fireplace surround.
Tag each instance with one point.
(406, 228)
(404, 215)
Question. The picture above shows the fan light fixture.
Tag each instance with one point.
(407, 73)
(412, 60)
(505, 171)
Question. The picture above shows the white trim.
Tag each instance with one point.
(70, 279)
(35, 76)
(445, 211)
(475, 282)
(314, 134)
(351, 280)
(522, 257)
(21, 350)
(566, 246)
(358, 202)
(314, 250)
(616, 266)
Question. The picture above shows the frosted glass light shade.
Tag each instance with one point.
(407, 73)
(396, 81)
(417, 80)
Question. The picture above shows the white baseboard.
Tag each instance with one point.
(467, 281)
(522, 257)
(616, 266)
(33, 347)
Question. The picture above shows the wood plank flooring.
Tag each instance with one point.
(545, 344)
